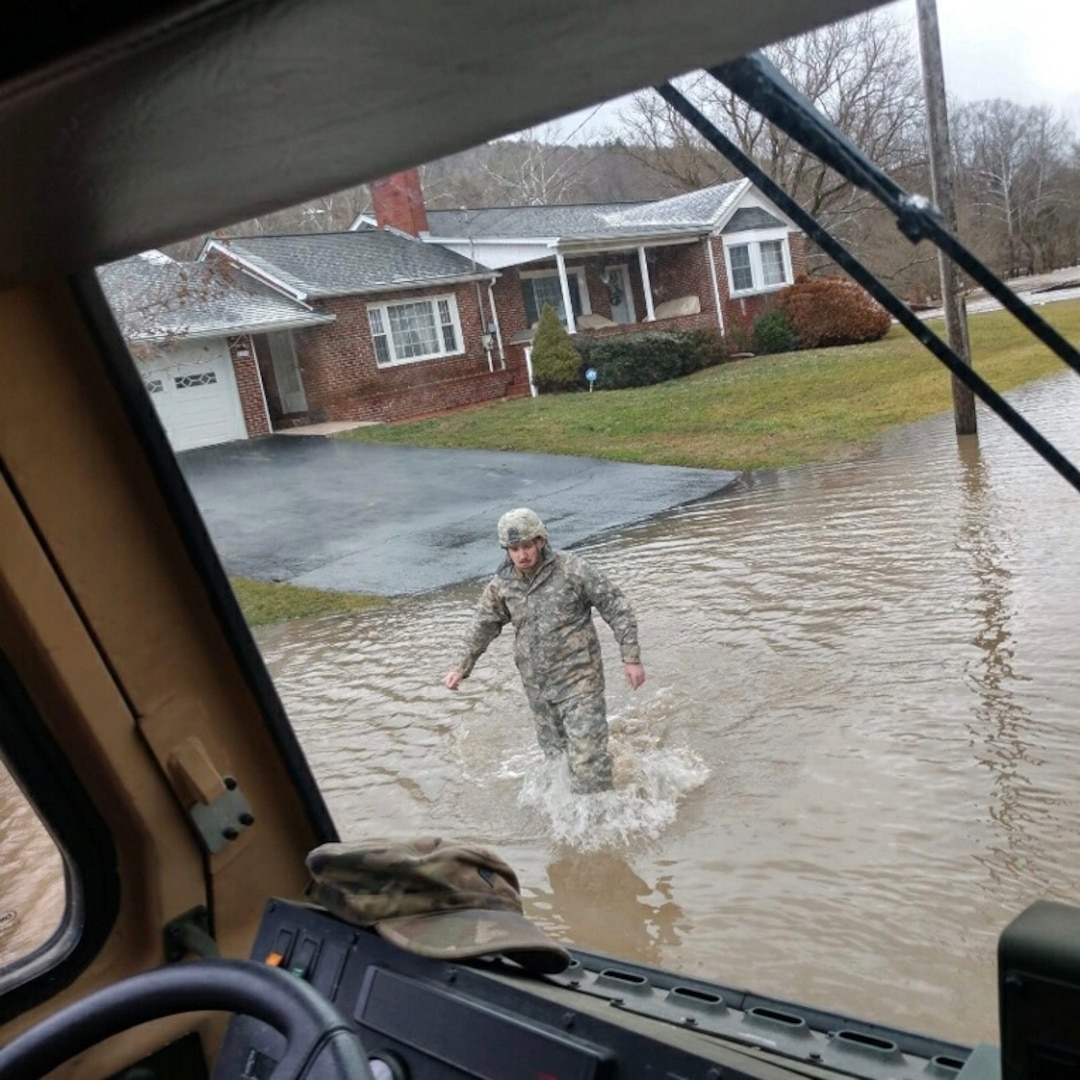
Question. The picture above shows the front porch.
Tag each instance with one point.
(606, 290)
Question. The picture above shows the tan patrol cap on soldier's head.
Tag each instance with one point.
(440, 899)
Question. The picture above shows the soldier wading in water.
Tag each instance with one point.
(549, 596)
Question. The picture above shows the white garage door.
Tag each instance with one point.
(194, 389)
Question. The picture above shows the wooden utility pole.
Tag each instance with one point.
(941, 181)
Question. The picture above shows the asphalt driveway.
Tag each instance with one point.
(355, 517)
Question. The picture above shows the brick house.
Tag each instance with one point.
(192, 328)
(705, 259)
(412, 327)
(434, 309)
(417, 311)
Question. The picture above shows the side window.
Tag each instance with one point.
(742, 275)
(540, 289)
(59, 887)
(33, 889)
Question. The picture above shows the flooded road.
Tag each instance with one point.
(855, 758)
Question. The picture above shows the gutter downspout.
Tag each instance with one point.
(528, 368)
(495, 322)
(571, 322)
(646, 285)
(715, 284)
(483, 325)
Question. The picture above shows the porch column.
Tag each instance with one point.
(715, 283)
(646, 285)
(564, 284)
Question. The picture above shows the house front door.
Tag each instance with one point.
(287, 374)
(622, 300)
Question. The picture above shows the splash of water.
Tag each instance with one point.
(650, 782)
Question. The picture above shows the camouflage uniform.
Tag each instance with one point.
(558, 653)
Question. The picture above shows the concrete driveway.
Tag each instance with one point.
(354, 517)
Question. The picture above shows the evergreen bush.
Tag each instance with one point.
(642, 359)
(556, 363)
(711, 344)
(773, 333)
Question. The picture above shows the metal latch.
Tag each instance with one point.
(218, 809)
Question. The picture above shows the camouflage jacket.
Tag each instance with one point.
(556, 646)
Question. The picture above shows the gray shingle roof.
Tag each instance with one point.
(154, 299)
(693, 212)
(342, 264)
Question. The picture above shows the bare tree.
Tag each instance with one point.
(861, 73)
(1014, 165)
(538, 168)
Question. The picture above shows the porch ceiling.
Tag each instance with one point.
(612, 247)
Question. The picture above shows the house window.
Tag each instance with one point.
(543, 287)
(187, 382)
(742, 273)
(772, 262)
(418, 330)
(758, 265)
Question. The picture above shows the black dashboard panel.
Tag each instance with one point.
(491, 1020)
(431, 1019)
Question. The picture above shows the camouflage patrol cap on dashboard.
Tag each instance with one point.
(519, 526)
(441, 899)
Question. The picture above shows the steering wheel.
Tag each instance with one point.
(318, 1041)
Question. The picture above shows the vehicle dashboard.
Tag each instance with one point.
(419, 1017)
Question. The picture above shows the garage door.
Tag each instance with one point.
(194, 389)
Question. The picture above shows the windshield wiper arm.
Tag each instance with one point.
(761, 85)
(765, 89)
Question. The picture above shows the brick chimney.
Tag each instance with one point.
(399, 202)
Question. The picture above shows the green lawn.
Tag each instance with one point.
(765, 412)
(264, 602)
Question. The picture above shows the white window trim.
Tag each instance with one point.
(573, 273)
(396, 361)
(753, 241)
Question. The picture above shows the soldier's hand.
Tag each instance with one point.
(635, 674)
(452, 679)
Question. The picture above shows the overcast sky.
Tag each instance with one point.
(1023, 50)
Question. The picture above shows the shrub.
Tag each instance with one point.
(832, 311)
(643, 359)
(556, 363)
(711, 345)
(773, 333)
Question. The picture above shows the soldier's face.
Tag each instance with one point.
(525, 556)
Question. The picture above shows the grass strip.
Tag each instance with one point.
(265, 602)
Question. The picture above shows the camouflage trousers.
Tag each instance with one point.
(578, 728)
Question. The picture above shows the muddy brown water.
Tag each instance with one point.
(855, 757)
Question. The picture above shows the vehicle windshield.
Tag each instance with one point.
(849, 763)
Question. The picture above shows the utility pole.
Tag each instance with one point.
(941, 181)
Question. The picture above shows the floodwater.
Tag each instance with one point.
(854, 760)
(855, 757)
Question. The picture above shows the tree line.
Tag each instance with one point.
(1017, 168)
